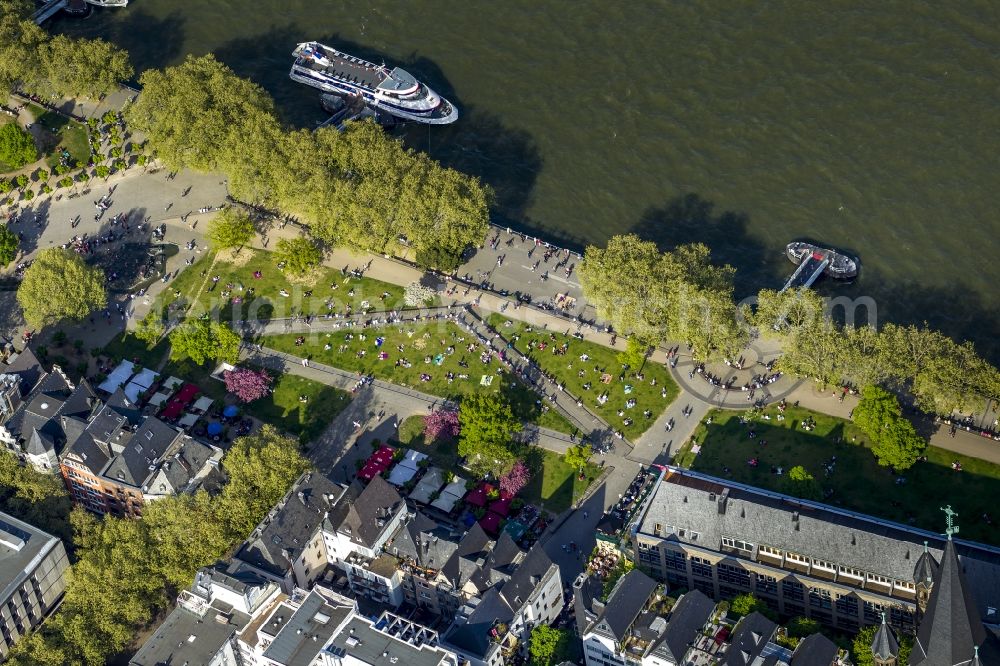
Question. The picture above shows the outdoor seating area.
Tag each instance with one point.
(439, 489)
(198, 414)
(430, 484)
(617, 518)
(604, 561)
(139, 384)
(117, 377)
(377, 463)
(406, 468)
(450, 495)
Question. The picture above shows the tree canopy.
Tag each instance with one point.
(260, 468)
(230, 228)
(82, 67)
(488, 426)
(657, 296)
(17, 146)
(548, 646)
(20, 43)
(150, 328)
(59, 285)
(801, 483)
(894, 441)
(299, 255)
(9, 244)
(34, 497)
(192, 111)
(202, 341)
(577, 456)
(745, 604)
(56, 64)
(359, 187)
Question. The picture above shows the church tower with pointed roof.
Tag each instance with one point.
(951, 632)
(923, 578)
(885, 648)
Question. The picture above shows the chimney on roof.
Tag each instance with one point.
(723, 498)
(302, 497)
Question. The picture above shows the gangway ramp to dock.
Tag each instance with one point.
(808, 272)
(48, 10)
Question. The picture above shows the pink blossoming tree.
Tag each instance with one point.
(247, 384)
(441, 423)
(517, 478)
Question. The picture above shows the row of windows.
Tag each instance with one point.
(682, 532)
(738, 544)
(824, 565)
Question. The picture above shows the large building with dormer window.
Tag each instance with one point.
(802, 558)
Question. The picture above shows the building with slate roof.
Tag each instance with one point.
(41, 411)
(204, 626)
(118, 460)
(636, 625)
(389, 554)
(288, 545)
(750, 638)
(33, 568)
(950, 631)
(802, 558)
(815, 650)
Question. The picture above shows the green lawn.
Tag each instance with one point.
(64, 134)
(193, 288)
(558, 484)
(443, 450)
(284, 409)
(857, 482)
(583, 378)
(553, 485)
(130, 348)
(423, 344)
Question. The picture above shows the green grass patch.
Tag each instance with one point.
(583, 378)
(260, 298)
(856, 481)
(554, 484)
(443, 450)
(62, 134)
(285, 410)
(434, 349)
(127, 347)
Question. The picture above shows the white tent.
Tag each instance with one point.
(202, 404)
(450, 496)
(406, 468)
(145, 378)
(428, 485)
(117, 377)
(188, 420)
(158, 399)
(171, 383)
